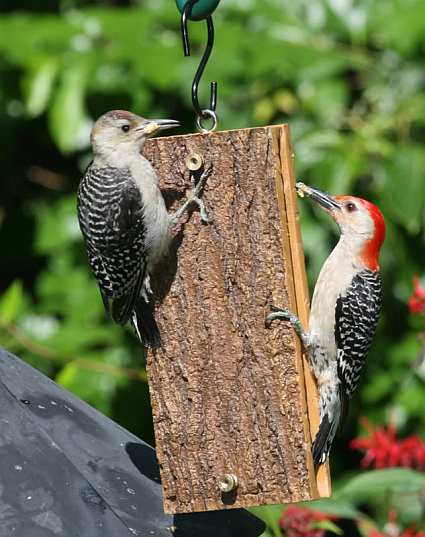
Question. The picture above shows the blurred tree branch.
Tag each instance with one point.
(55, 356)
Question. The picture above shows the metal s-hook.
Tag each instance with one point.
(202, 113)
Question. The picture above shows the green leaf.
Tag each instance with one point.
(38, 85)
(399, 24)
(267, 533)
(410, 507)
(327, 525)
(342, 508)
(403, 193)
(370, 484)
(57, 225)
(327, 99)
(11, 301)
(270, 514)
(69, 124)
(95, 385)
(381, 386)
(67, 375)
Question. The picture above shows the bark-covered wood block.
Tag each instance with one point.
(234, 403)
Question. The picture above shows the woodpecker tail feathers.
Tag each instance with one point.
(331, 414)
(144, 324)
(323, 441)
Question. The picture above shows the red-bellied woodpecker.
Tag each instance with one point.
(344, 311)
(123, 218)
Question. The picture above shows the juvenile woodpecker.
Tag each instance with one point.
(344, 310)
(123, 218)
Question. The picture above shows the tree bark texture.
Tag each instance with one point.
(230, 396)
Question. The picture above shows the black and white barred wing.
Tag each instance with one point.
(356, 317)
(110, 212)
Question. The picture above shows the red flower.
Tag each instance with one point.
(411, 532)
(417, 300)
(384, 450)
(300, 522)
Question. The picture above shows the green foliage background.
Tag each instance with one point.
(348, 75)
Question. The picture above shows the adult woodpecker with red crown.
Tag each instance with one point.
(345, 308)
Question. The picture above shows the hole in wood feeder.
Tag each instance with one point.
(227, 482)
(194, 162)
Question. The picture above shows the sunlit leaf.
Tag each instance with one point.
(38, 85)
(57, 224)
(11, 301)
(369, 484)
(92, 380)
(69, 124)
(327, 525)
(403, 192)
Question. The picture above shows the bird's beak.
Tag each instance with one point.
(153, 126)
(326, 201)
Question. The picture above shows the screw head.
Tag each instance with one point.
(194, 162)
(227, 482)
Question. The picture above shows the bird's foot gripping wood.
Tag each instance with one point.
(193, 198)
(282, 313)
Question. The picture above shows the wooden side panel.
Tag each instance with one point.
(302, 305)
(229, 395)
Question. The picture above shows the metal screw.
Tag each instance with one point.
(227, 482)
(194, 162)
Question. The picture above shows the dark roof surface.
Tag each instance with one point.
(66, 470)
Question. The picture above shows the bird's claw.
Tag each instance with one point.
(201, 205)
(286, 315)
(196, 190)
(199, 185)
(202, 211)
(193, 197)
(278, 313)
(279, 309)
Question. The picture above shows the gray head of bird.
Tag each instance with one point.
(124, 133)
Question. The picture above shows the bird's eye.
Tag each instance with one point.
(351, 207)
(125, 128)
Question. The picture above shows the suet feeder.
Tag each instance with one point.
(234, 403)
